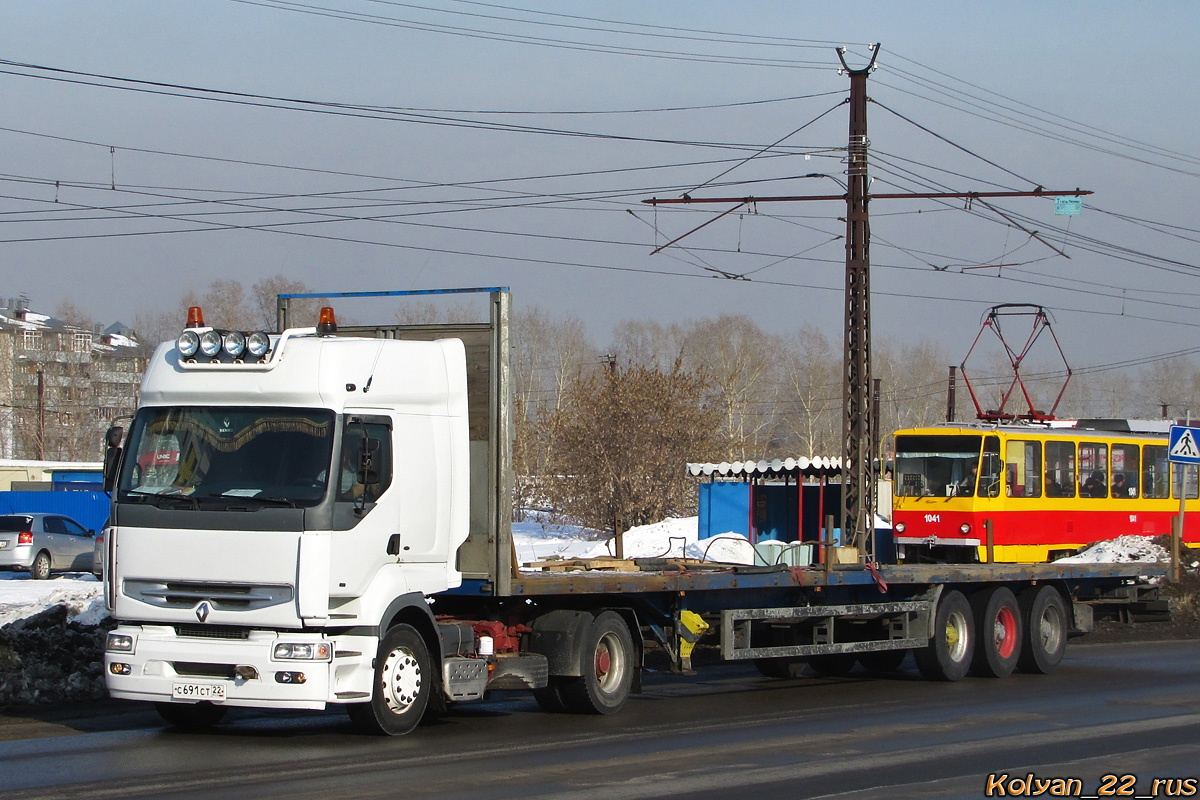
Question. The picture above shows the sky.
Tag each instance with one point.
(149, 148)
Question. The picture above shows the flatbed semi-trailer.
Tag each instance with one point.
(322, 517)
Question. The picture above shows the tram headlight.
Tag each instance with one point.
(965, 528)
(900, 527)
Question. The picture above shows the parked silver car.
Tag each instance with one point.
(44, 543)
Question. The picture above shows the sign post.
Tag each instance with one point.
(1184, 449)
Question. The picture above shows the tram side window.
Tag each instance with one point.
(1156, 472)
(1093, 469)
(989, 478)
(1124, 470)
(1023, 468)
(1192, 493)
(1060, 469)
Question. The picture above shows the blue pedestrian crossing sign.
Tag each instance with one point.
(1185, 445)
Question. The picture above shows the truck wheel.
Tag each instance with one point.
(998, 623)
(882, 660)
(191, 716)
(606, 656)
(833, 665)
(403, 680)
(947, 657)
(781, 667)
(1045, 616)
(550, 696)
(40, 569)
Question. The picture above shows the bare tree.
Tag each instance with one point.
(810, 407)
(547, 354)
(739, 357)
(264, 297)
(622, 443)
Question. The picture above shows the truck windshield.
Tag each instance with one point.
(215, 456)
(936, 466)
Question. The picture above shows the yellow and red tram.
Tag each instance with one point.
(1047, 491)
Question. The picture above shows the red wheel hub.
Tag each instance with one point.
(603, 662)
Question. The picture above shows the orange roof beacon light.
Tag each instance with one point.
(195, 317)
(327, 325)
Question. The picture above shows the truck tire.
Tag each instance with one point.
(550, 697)
(999, 631)
(404, 680)
(191, 716)
(882, 661)
(39, 570)
(606, 656)
(1045, 616)
(947, 657)
(833, 665)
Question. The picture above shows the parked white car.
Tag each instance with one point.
(43, 543)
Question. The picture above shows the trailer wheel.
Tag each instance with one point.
(947, 657)
(550, 697)
(403, 681)
(782, 667)
(191, 716)
(606, 655)
(833, 665)
(1045, 616)
(998, 623)
(882, 660)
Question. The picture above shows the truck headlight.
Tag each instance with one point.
(119, 643)
(258, 343)
(308, 651)
(210, 343)
(235, 343)
(188, 343)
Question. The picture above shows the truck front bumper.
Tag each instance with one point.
(237, 667)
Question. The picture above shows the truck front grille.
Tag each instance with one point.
(195, 669)
(211, 632)
(221, 596)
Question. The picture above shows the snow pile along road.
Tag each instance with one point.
(1122, 550)
(52, 639)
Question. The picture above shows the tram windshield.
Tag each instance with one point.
(936, 466)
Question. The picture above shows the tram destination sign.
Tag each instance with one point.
(1184, 445)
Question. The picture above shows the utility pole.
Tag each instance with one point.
(858, 423)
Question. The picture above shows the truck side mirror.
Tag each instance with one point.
(368, 462)
(114, 436)
(112, 455)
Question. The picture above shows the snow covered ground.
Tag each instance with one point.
(22, 597)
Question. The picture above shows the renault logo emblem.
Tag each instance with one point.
(202, 611)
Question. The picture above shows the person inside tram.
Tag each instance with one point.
(1094, 486)
(966, 487)
(1119, 487)
(1052, 487)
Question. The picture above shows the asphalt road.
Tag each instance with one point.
(1110, 710)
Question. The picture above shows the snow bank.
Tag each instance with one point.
(22, 597)
(1123, 549)
(677, 538)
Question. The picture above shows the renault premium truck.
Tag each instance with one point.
(321, 517)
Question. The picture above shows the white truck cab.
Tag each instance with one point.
(280, 502)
